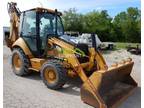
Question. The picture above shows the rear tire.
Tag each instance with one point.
(53, 74)
(20, 62)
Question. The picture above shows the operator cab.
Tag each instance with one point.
(38, 23)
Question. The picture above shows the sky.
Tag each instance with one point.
(83, 6)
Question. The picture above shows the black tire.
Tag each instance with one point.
(23, 70)
(60, 72)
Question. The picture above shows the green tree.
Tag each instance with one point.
(127, 25)
(124, 27)
(99, 23)
(72, 20)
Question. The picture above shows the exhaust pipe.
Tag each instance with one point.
(94, 44)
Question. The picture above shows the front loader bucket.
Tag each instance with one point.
(108, 88)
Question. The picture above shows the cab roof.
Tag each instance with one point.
(39, 9)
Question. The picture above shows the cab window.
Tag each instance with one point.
(29, 24)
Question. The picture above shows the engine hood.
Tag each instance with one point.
(70, 39)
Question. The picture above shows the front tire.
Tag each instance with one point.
(53, 74)
(20, 62)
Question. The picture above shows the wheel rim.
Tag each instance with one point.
(50, 75)
(17, 62)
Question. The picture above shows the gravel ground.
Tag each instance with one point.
(30, 92)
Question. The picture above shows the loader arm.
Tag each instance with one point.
(72, 58)
(93, 56)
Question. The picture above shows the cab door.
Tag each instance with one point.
(28, 31)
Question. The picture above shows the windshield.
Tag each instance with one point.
(48, 25)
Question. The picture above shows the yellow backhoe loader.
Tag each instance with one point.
(37, 43)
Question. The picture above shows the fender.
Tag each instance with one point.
(21, 43)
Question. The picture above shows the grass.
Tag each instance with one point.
(120, 45)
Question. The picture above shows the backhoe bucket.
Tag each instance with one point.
(108, 88)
